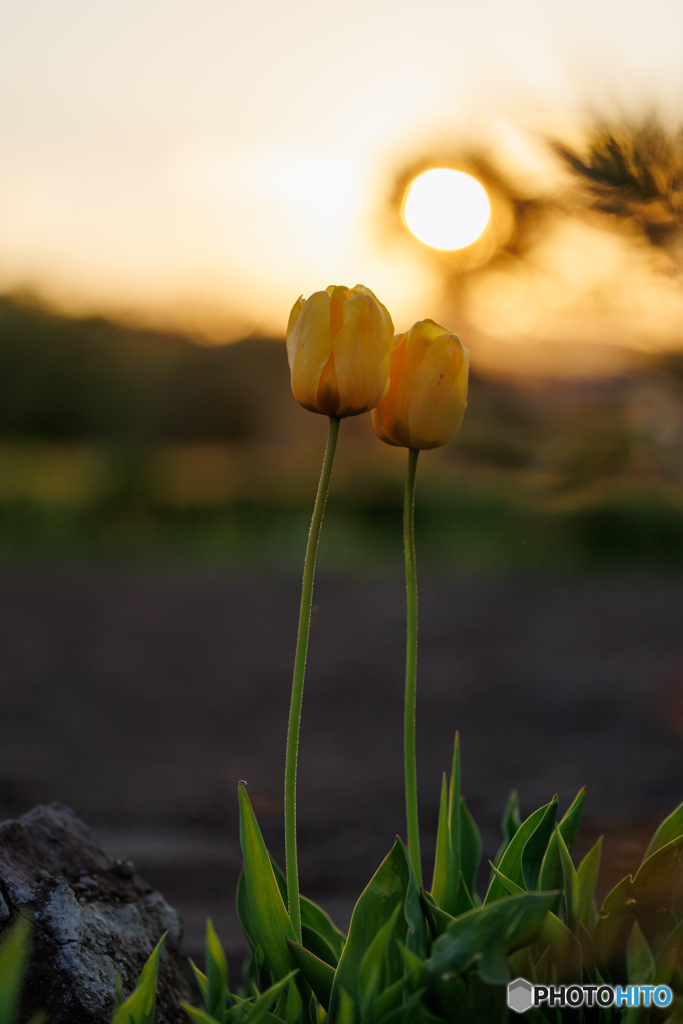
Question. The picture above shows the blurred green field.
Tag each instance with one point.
(121, 444)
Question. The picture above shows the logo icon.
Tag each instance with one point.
(520, 995)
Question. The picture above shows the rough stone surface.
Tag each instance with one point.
(92, 917)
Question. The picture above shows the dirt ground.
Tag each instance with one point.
(141, 698)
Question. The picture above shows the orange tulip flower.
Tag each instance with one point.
(427, 395)
(338, 345)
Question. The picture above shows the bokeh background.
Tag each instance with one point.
(173, 176)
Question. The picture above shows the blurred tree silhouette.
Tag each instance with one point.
(633, 173)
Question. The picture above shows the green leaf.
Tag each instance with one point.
(317, 973)
(199, 1016)
(565, 955)
(316, 920)
(440, 876)
(376, 972)
(217, 998)
(414, 925)
(316, 944)
(669, 963)
(201, 979)
(572, 900)
(551, 870)
(640, 963)
(513, 863)
(671, 828)
(488, 934)
(641, 898)
(319, 932)
(260, 1011)
(244, 913)
(448, 862)
(509, 824)
(470, 842)
(587, 872)
(437, 919)
(535, 848)
(510, 887)
(140, 1006)
(269, 917)
(378, 902)
(14, 953)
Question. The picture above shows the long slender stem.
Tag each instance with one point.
(298, 680)
(411, 666)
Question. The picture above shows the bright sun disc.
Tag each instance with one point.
(446, 209)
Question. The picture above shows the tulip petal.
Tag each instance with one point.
(425, 405)
(309, 348)
(361, 354)
(435, 411)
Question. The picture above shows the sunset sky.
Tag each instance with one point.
(204, 164)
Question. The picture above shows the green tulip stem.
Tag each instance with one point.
(298, 680)
(411, 666)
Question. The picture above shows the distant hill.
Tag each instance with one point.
(64, 378)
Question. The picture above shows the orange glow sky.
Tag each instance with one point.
(206, 163)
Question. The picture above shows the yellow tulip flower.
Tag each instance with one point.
(427, 395)
(338, 345)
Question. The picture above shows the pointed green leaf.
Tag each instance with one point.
(470, 842)
(571, 885)
(217, 994)
(201, 979)
(511, 863)
(414, 926)
(448, 862)
(260, 1011)
(317, 973)
(509, 824)
(510, 887)
(269, 917)
(141, 1004)
(385, 891)
(437, 919)
(551, 871)
(535, 848)
(316, 944)
(588, 871)
(440, 877)
(199, 1016)
(671, 828)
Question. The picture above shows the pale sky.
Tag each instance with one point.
(210, 162)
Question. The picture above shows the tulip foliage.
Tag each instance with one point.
(414, 956)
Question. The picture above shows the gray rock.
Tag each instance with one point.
(92, 917)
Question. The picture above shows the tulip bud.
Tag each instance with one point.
(338, 345)
(427, 395)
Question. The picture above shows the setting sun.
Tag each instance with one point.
(446, 209)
